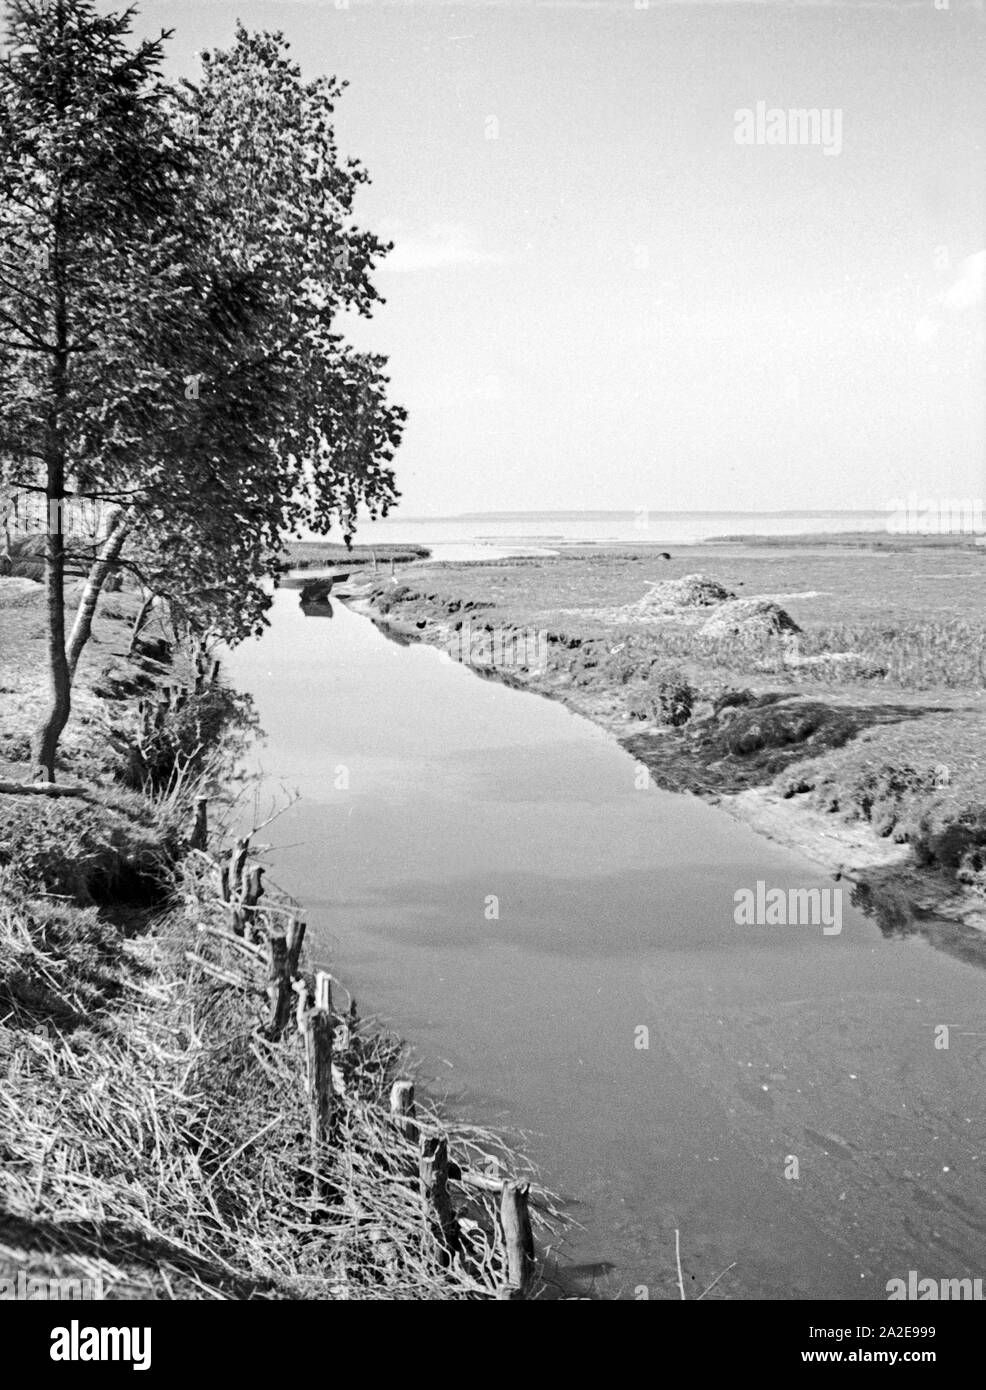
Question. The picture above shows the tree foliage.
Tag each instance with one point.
(174, 266)
(289, 427)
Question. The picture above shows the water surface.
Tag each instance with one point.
(427, 793)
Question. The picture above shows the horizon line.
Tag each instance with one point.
(636, 511)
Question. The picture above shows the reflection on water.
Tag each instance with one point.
(321, 609)
(560, 946)
(893, 908)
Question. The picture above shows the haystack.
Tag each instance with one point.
(669, 596)
(751, 618)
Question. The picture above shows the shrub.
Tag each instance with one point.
(673, 697)
(160, 759)
(666, 698)
(78, 848)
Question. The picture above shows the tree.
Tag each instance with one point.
(203, 387)
(287, 425)
(87, 175)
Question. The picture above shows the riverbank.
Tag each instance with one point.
(832, 698)
(157, 1125)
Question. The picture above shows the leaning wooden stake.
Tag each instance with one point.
(402, 1110)
(518, 1238)
(234, 884)
(438, 1212)
(140, 621)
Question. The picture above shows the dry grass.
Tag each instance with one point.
(165, 1146)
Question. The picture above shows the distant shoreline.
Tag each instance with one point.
(307, 554)
(607, 513)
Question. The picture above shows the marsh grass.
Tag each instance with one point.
(916, 613)
(916, 656)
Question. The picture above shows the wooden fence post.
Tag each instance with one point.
(284, 953)
(402, 1110)
(318, 1055)
(278, 984)
(438, 1212)
(253, 891)
(518, 1240)
(200, 832)
(296, 939)
(236, 861)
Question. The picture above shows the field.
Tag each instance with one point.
(893, 587)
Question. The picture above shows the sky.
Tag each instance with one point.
(600, 297)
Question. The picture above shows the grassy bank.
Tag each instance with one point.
(856, 540)
(303, 555)
(156, 1134)
(834, 697)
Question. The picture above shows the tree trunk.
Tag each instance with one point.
(49, 731)
(109, 553)
(44, 744)
(6, 563)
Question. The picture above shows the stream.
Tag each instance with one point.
(484, 871)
